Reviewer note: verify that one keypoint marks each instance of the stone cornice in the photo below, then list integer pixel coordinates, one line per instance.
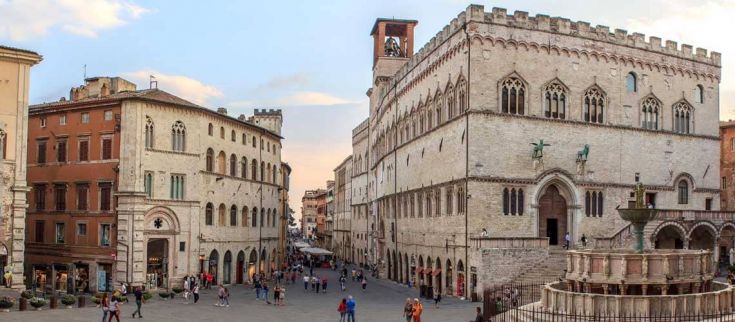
(189, 154)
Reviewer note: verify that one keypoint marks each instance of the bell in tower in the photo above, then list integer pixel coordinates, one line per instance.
(393, 39)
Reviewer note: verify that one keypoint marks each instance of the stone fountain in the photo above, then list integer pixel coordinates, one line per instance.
(638, 216)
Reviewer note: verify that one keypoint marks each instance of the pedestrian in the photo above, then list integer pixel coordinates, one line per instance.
(437, 299)
(210, 279)
(138, 301)
(342, 283)
(220, 295)
(478, 318)
(114, 308)
(282, 294)
(306, 283)
(186, 288)
(265, 293)
(195, 291)
(318, 284)
(342, 309)
(583, 240)
(313, 283)
(105, 303)
(227, 297)
(418, 308)
(567, 239)
(258, 287)
(277, 294)
(364, 283)
(324, 284)
(408, 310)
(351, 305)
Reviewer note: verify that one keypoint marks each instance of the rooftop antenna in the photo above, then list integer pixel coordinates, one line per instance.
(153, 82)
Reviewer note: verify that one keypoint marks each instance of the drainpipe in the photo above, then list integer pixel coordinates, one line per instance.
(467, 166)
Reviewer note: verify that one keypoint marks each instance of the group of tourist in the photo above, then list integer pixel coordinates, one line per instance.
(346, 309)
(260, 284)
(111, 305)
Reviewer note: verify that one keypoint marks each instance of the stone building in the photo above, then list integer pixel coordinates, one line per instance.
(310, 203)
(525, 127)
(727, 165)
(342, 239)
(192, 189)
(326, 235)
(15, 73)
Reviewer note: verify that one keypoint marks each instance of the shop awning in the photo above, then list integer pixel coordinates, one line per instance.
(419, 270)
(301, 245)
(427, 271)
(436, 271)
(316, 251)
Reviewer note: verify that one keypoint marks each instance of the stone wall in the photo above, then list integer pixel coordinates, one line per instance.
(501, 265)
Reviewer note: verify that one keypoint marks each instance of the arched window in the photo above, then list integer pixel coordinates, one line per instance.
(222, 132)
(451, 102)
(274, 174)
(450, 200)
(268, 219)
(244, 217)
(268, 169)
(513, 96)
(461, 95)
(460, 200)
(593, 201)
(244, 138)
(555, 100)
(631, 83)
(437, 202)
(233, 216)
(221, 215)
(262, 170)
(210, 160)
(699, 94)
(149, 184)
(683, 192)
(255, 217)
(594, 105)
(211, 129)
(233, 137)
(209, 214)
(649, 109)
(148, 132)
(682, 117)
(233, 165)
(428, 204)
(506, 201)
(244, 168)
(178, 136)
(275, 218)
(3, 145)
(513, 197)
(254, 170)
(513, 201)
(221, 162)
(262, 216)
(438, 107)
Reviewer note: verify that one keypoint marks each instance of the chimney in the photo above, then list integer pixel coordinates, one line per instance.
(222, 110)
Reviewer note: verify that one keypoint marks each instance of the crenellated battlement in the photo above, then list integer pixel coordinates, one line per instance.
(563, 26)
(265, 112)
(359, 128)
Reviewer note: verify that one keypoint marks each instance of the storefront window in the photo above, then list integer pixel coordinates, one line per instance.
(105, 235)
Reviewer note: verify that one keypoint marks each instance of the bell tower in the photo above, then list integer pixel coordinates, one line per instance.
(393, 44)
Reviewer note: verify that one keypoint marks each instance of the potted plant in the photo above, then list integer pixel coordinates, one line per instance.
(38, 303)
(96, 300)
(177, 290)
(68, 300)
(122, 298)
(26, 295)
(6, 303)
(147, 295)
(163, 295)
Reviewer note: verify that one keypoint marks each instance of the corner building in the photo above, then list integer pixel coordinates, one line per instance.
(189, 189)
(450, 132)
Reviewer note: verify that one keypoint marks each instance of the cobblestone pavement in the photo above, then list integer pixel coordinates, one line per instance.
(383, 301)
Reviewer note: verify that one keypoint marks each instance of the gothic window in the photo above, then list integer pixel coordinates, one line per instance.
(262, 216)
(699, 94)
(221, 162)
(233, 136)
(428, 204)
(438, 106)
(555, 100)
(209, 214)
(451, 99)
(210, 160)
(437, 202)
(221, 215)
(683, 192)
(513, 201)
(631, 82)
(420, 204)
(254, 217)
(461, 95)
(211, 129)
(254, 170)
(429, 119)
(460, 200)
(274, 174)
(244, 217)
(244, 139)
(233, 216)
(148, 132)
(650, 109)
(594, 105)
(177, 187)
(513, 96)
(450, 201)
(682, 117)
(222, 132)
(178, 136)
(593, 203)
(233, 165)
(149, 184)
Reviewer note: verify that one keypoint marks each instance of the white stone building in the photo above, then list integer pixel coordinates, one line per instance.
(450, 132)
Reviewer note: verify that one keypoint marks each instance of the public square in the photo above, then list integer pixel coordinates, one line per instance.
(382, 301)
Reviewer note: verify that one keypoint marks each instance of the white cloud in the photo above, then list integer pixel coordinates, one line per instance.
(288, 81)
(699, 23)
(306, 98)
(25, 19)
(183, 86)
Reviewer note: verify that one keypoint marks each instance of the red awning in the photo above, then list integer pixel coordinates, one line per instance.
(436, 271)
(427, 271)
(419, 270)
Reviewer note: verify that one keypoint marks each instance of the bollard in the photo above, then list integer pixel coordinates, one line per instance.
(23, 304)
(52, 302)
(81, 300)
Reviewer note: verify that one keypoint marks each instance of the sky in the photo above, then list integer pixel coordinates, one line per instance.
(312, 59)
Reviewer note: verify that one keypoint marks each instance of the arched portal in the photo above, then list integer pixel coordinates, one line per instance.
(390, 267)
(395, 267)
(669, 236)
(460, 278)
(240, 267)
(157, 263)
(213, 266)
(252, 264)
(420, 271)
(227, 268)
(438, 275)
(429, 277)
(702, 237)
(727, 241)
(449, 278)
(552, 214)
(263, 257)
(406, 269)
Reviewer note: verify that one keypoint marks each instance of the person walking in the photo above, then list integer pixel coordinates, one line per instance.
(306, 283)
(364, 283)
(265, 293)
(567, 240)
(324, 284)
(318, 283)
(418, 309)
(282, 295)
(478, 317)
(195, 291)
(408, 310)
(277, 294)
(313, 283)
(342, 283)
(342, 309)
(351, 306)
(258, 287)
(138, 301)
(105, 304)
(220, 295)
(227, 297)
(437, 299)
(114, 309)
(210, 279)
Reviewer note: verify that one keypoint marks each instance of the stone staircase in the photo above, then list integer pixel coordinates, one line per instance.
(548, 270)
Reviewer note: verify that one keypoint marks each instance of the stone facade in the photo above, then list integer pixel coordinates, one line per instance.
(449, 133)
(727, 165)
(309, 211)
(341, 244)
(15, 66)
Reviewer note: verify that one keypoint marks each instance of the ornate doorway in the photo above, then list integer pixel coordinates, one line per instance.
(240, 267)
(157, 264)
(552, 219)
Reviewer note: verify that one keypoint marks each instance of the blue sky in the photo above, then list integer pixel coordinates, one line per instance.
(310, 58)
